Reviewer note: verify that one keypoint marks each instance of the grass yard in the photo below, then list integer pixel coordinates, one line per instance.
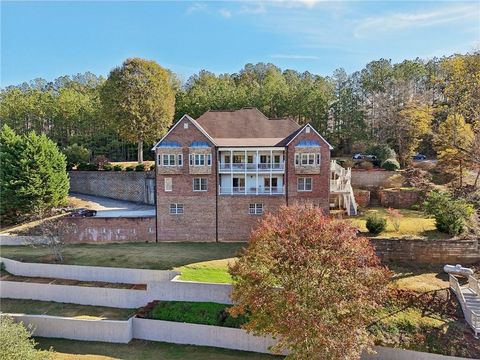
(157, 256)
(207, 271)
(142, 350)
(36, 307)
(414, 223)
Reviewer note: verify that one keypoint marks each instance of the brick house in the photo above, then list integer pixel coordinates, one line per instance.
(218, 174)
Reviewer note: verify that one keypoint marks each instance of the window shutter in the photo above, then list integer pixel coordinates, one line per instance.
(180, 160)
(191, 159)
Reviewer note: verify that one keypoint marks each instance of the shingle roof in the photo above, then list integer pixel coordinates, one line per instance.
(246, 127)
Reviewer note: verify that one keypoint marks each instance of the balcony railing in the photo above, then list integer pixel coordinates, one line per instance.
(241, 190)
(241, 167)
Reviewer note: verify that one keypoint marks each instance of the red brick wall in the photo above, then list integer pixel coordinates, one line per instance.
(198, 221)
(398, 198)
(124, 229)
(320, 193)
(234, 221)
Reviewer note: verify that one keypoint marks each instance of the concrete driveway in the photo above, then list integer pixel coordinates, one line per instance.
(107, 207)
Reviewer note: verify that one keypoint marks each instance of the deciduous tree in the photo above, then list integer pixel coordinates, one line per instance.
(311, 283)
(139, 100)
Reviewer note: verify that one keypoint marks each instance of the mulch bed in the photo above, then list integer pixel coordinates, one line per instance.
(5, 276)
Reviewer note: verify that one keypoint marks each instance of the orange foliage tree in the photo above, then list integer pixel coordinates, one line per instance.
(311, 283)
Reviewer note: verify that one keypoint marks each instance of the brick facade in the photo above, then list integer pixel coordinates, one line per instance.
(209, 216)
(319, 196)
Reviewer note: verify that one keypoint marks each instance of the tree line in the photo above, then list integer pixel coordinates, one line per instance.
(401, 104)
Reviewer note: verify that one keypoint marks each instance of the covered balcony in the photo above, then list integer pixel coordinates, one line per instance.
(251, 160)
(239, 190)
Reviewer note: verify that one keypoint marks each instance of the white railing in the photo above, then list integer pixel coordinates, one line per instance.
(241, 190)
(472, 318)
(254, 167)
(474, 285)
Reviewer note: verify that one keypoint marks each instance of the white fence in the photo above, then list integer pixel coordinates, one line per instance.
(116, 331)
(87, 273)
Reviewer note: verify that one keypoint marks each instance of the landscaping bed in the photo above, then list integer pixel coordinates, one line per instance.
(5, 276)
(205, 313)
(36, 307)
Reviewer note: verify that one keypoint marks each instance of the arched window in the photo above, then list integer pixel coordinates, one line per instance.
(308, 143)
(199, 144)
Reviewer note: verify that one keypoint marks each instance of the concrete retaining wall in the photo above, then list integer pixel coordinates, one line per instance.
(113, 331)
(131, 186)
(196, 334)
(426, 251)
(83, 295)
(16, 240)
(87, 273)
(385, 353)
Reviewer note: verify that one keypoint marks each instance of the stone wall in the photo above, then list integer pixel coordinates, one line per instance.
(371, 178)
(110, 229)
(122, 185)
(423, 251)
(398, 198)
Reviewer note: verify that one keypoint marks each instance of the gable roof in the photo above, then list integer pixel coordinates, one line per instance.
(245, 127)
(292, 137)
(192, 120)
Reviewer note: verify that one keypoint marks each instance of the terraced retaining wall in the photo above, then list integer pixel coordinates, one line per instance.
(428, 251)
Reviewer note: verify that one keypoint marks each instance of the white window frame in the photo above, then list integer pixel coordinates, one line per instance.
(319, 158)
(209, 159)
(169, 158)
(176, 209)
(200, 159)
(202, 184)
(180, 159)
(168, 184)
(297, 159)
(302, 184)
(255, 209)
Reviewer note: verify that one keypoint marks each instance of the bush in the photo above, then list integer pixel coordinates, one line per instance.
(130, 168)
(451, 215)
(33, 175)
(100, 161)
(117, 167)
(376, 224)
(87, 167)
(152, 167)
(415, 207)
(382, 152)
(366, 165)
(16, 342)
(140, 167)
(107, 167)
(391, 164)
(76, 154)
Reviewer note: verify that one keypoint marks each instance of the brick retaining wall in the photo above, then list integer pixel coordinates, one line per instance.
(398, 198)
(367, 178)
(426, 251)
(113, 229)
(130, 186)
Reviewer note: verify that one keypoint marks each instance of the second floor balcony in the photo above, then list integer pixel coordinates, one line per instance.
(251, 167)
(243, 190)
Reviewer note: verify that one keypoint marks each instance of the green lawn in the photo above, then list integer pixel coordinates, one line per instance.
(414, 223)
(207, 271)
(206, 313)
(142, 350)
(158, 256)
(35, 307)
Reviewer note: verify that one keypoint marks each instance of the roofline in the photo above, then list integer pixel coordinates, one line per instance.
(194, 122)
(311, 127)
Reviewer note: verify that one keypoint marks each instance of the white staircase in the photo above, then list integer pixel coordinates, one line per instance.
(469, 297)
(340, 184)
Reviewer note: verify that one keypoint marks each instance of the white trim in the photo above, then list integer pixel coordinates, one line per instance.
(250, 149)
(316, 132)
(189, 118)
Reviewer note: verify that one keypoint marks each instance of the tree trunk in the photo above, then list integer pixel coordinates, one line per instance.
(476, 179)
(140, 151)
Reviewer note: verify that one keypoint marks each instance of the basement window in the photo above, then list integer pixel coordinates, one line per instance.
(255, 209)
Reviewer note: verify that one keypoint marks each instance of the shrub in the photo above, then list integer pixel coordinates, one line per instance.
(272, 284)
(415, 207)
(87, 167)
(117, 167)
(107, 167)
(152, 167)
(140, 167)
(33, 175)
(76, 154)
(100, 160)
(376, 224)
(395, 217)
(16, 342)
(451, 215)
(391, 164)
(366, 165)
(382, 152)
(130, 168)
